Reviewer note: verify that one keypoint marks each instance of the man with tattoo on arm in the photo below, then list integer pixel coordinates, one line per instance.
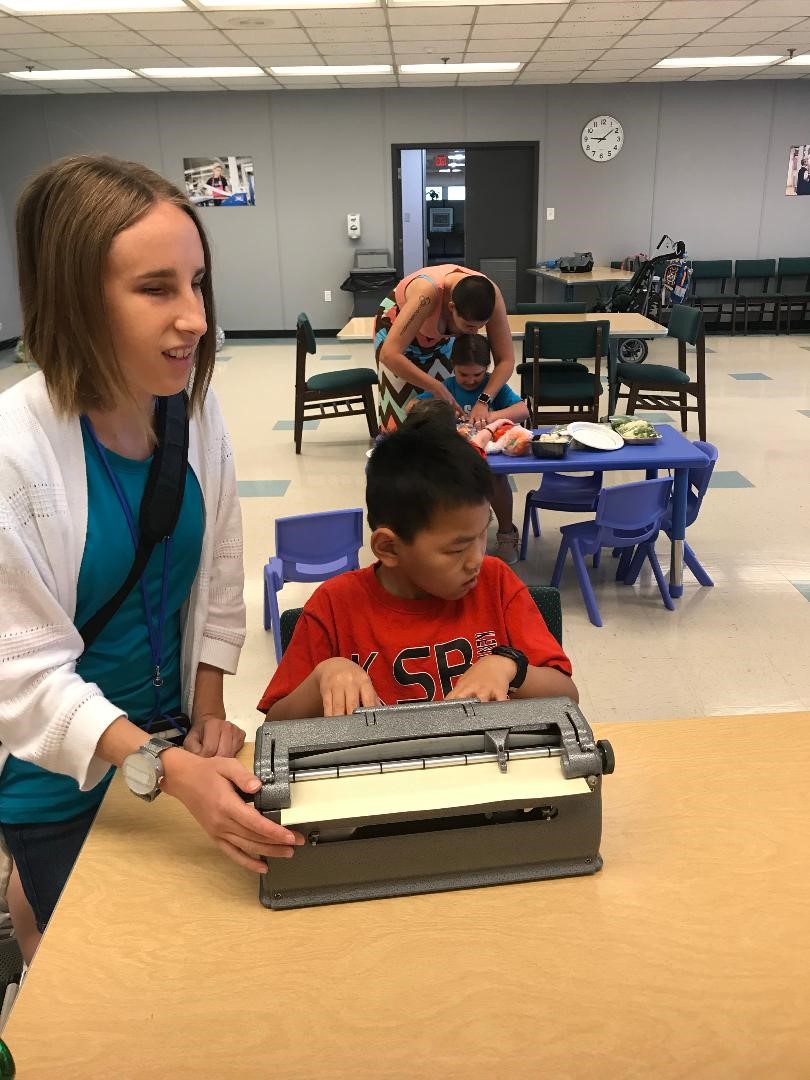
(414, 332)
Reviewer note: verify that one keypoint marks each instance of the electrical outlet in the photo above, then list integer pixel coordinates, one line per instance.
(549, 213)
(327, 295)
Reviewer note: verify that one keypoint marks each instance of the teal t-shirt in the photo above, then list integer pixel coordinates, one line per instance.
(505, 397)
(119, 661)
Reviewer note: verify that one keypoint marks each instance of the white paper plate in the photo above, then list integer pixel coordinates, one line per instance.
(595, 436)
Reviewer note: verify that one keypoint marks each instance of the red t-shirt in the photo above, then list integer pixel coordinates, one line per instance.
(414, 650)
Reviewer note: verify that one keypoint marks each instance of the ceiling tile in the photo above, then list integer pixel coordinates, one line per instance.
(592, 29)
(655, 40)
(511, 31)
(261, 36)
(271, 59)
(565, 44)
(215, 53)
(537, 79)
(490, 56)
(371, 48)
(243, 20)
(696, 9)
(187, 37)
(639, 54)
(521, 13)
(629, 9)
(97, 39)
(165, 20)
(353, 33)
(55, 24)
(357, 60)
(741, 25)
(439, 16)
(537, 66)
(618, 65)
(137, 86)
(772, 8)
(400, 34)
(343, 17)
(420, 58)
(16, 42)
(691, 27)
(14, 26)
(562, 57)
(720, 39)
(123, 53)
(60, 52)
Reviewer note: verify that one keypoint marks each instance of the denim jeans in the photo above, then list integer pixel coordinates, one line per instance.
(44, 854)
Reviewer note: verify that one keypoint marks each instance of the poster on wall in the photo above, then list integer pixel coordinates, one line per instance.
(220, 180)
(798, 178)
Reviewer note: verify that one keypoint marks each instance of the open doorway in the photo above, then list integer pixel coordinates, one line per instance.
(474, 204)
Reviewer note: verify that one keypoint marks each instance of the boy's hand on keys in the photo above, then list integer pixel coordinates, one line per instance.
(344, 686)
(487, 680)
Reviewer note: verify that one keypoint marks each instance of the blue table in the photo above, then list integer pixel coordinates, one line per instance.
(674, 451)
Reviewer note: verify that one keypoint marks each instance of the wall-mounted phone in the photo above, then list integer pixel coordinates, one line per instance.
(353, 226)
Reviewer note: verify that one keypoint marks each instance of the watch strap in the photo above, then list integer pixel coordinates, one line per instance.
(520, 659)
(156, 746)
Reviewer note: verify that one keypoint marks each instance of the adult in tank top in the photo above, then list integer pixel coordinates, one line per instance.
(414, 332)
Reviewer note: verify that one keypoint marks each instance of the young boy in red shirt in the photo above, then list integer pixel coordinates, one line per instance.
(435, 618)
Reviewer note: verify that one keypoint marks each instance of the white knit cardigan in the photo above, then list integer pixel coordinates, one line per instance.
(48, 714)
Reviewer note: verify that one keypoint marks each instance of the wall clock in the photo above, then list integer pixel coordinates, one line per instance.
(602, 138)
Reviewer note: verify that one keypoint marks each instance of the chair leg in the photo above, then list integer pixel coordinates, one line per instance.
(535, 522)
(632, 398)
(684, 414)
(524, 535)
(560, 563)
(701, 404)
(691, 561)
(634, 566)
(625, 559)
(585, 584)
(371, 412)
(659, 576)
(298, 423)
(597, 558)
(271, 615)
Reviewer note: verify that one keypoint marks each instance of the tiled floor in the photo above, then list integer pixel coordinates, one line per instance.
(743, 646)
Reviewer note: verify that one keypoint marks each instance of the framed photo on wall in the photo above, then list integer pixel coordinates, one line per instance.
(798, 177)
(220, 180)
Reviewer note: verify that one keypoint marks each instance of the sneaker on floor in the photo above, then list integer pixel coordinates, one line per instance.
(506, 546)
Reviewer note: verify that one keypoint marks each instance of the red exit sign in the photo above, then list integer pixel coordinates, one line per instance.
(441, 161)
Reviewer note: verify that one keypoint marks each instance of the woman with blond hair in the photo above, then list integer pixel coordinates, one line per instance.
(118, 314)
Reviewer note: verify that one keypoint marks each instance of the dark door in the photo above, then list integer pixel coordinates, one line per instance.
(501, 216)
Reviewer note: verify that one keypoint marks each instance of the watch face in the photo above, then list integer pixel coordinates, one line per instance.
(140, 773)
(602, 139)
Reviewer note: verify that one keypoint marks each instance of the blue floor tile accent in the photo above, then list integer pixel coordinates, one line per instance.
(805, 412)
(262, 489)
(223, 359)
(729, 479)
(336, 356)
(512, 483)
(289, 425)
(803, 587)
(656, 417)
(752, 376)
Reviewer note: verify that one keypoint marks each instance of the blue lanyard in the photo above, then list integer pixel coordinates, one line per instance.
(155, 635)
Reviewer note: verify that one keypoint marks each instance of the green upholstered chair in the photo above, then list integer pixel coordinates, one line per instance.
(793, 286)
(709, 280)
(660, 386)
(546, 597)
(563, 391)
(329, 394)
(524, 369)
(752, 279)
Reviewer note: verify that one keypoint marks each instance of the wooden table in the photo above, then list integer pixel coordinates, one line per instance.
(600, 275)
(686, 957)
(623, 325)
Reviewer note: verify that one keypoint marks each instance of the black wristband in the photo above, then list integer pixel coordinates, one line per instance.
(520, 659)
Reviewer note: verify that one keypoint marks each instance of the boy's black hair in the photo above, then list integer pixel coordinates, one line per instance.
(470, 349)
(474, 297)
(430, 411)
(415, 474)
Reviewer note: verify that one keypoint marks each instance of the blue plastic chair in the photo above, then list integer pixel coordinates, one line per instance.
(310, 547)
(575, 492)
(627, 516)
(698, 485)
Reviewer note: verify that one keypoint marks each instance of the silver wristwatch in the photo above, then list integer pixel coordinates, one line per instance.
(143, 770)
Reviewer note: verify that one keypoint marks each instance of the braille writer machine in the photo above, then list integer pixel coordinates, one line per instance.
(431, 796)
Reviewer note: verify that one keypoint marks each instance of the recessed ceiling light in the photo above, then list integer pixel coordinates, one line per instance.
(203, 73)
(314, 70)
(66, 74)
(797, 61)
(457, 69)
(286, 5)
(88, 7)
(716, 61)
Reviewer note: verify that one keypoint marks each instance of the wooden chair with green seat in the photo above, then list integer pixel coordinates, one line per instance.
(793, 286)
(661, 386)
(707, 276)
(563, 391)
(524, 369)
(752, 279)
(329, 394)
(546, 597)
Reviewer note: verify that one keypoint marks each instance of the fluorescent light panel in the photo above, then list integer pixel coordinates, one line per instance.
(466, 3)
(314, 70)
(458, 69)
(716, 61)
(66, 74)
(88, 7)
(203, 72)
(798, 61)
(286, 5)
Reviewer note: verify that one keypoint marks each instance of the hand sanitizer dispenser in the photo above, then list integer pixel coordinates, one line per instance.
(353, 226)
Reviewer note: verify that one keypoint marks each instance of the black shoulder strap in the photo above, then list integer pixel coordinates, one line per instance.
(160, 505)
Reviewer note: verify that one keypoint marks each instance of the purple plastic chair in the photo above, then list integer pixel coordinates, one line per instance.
(698, 485)
(575, 492)
(310, 547)
(627, 516)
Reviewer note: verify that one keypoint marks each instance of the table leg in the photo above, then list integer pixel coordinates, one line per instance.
(680, 488)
